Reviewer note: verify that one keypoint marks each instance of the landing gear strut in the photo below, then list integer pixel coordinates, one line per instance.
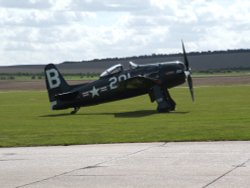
(75, 110)
(163, 99)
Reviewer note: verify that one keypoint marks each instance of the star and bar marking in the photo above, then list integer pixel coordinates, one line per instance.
(95, 92)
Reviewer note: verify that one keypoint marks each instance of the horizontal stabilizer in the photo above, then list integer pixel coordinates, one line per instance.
(67, 96)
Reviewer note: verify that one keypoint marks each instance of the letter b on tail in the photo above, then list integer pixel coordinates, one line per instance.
(53, 78)
(55, 82)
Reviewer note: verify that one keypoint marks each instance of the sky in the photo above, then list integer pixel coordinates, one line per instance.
(53, 31)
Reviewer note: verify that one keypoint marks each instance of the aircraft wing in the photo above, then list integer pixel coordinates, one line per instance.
(66, 96)
(138, 82)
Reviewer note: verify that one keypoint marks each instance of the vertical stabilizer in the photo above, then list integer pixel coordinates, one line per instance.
(55, 83)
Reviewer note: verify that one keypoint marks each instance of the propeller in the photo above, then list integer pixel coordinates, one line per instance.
(188, 72)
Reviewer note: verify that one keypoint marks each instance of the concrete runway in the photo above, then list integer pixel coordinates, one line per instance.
(193, 164)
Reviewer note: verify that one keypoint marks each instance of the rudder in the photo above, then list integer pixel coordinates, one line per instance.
(55, 82)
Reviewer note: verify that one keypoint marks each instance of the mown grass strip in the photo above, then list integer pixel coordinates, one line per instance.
(219, 113)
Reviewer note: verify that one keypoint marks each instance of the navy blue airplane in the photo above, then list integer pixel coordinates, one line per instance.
(116, 83)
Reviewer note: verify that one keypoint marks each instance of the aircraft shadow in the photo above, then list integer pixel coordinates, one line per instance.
(135, 114)
(142, 113)
(131, 114)
(56, 115)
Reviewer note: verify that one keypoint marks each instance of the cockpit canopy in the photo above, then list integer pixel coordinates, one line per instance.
(112, 70)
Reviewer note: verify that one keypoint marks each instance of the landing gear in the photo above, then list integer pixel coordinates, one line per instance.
(163, 99)
(75, 110)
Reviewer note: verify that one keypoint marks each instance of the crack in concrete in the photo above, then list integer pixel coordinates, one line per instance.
(3, 160)
(94, 175)
(91, 166)
(223, 175)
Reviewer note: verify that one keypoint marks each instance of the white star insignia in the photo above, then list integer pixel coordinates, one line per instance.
(94, 92)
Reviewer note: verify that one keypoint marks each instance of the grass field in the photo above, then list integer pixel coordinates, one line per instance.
(219, 113)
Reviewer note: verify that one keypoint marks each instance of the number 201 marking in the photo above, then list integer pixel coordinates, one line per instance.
(114, 80)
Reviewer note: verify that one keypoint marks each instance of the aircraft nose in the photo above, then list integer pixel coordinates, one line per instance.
(182, 66)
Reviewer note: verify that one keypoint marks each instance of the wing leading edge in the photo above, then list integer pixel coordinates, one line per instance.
(138, 82)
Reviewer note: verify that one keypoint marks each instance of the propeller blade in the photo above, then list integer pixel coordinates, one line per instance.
(190, 85)
(185, 56)
(188, 72)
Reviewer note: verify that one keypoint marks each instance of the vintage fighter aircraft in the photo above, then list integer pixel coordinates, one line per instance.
(116, 83)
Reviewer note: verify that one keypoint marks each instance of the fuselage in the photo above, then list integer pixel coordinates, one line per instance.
(106, 88)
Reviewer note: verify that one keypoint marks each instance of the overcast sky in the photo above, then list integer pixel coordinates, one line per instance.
(44, 31)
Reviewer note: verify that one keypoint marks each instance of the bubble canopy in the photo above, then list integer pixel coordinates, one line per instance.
(112, 70)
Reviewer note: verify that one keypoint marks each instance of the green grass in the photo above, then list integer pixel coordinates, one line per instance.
(219, 113)
(213, 74)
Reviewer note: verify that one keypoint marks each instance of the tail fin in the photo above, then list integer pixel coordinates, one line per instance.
(55, 83)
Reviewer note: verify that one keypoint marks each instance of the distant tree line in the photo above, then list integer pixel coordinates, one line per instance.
(13, 76)
(163, 55)
(40, 76)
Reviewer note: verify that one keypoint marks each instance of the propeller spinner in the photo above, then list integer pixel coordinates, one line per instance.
(188, 72)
